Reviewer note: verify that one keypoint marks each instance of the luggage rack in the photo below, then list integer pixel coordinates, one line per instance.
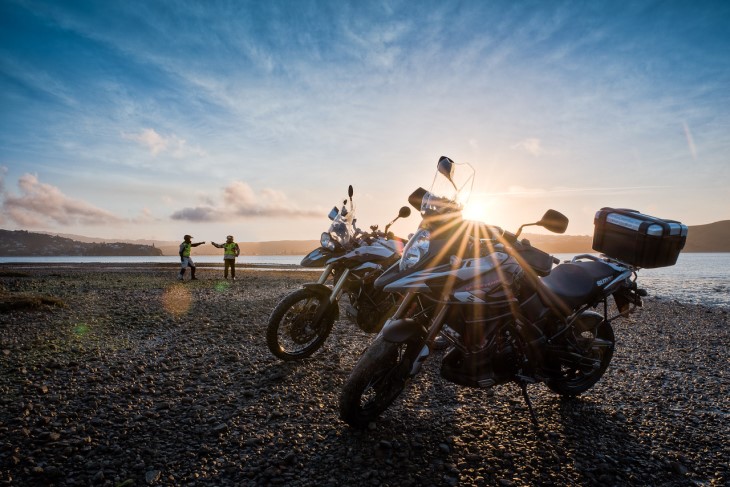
(612, 261)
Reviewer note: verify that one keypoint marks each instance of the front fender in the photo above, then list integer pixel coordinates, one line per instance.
(399, 331)
(318, 289)
(324, 293)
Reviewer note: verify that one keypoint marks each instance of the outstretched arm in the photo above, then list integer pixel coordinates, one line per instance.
(196, 244)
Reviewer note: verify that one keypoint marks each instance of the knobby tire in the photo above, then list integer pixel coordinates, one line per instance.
(291, 334)
(377, 379)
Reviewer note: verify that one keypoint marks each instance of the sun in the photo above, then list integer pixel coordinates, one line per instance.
(479, 208)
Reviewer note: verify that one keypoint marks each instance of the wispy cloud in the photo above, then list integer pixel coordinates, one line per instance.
(239, 200)
(690, 141)
(158, 144)
(532, 146)
(39, 204)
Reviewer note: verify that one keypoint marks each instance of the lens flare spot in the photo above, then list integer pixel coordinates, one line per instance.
(222, 287)
(81, 329)
(176, 300)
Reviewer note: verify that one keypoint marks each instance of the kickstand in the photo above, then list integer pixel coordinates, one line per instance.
(533, 417)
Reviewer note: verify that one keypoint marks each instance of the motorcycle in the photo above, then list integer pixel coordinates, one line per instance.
(508, 315)
(301, 322)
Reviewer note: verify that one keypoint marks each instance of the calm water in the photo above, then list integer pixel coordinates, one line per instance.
(696, 278)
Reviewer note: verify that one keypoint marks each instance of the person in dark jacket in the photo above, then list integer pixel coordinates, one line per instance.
(185, 259)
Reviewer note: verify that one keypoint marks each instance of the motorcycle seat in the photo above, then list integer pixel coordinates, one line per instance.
(574, 284)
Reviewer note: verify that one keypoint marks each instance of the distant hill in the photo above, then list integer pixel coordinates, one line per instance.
(560, 244)
(170, 247)
(713, 237)
(278, 247)
(24, 244)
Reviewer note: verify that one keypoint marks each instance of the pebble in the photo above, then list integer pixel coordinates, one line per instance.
(139, 387)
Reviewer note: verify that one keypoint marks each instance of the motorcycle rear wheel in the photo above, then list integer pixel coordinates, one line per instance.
(376, 381)
(291, 333)
(575, 378)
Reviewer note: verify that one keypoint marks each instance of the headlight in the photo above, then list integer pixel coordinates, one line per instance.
(326, 241)
(415, 249)
(339, 233)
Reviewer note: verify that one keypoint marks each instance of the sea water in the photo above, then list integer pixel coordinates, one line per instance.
(701, 278)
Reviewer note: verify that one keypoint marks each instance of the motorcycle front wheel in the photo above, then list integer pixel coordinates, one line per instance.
(292, 333)
(376, 380)
(578, 376)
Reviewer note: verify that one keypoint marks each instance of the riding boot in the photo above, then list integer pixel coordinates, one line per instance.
(192, 274)
(181, 275)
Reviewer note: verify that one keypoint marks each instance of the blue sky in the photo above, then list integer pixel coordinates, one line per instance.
(152, 119)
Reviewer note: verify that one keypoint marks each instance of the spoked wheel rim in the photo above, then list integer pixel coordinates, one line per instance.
(297, 330)
(300, 324)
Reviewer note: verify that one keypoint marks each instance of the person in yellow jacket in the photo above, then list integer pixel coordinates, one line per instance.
(185, 259)
(230, 252)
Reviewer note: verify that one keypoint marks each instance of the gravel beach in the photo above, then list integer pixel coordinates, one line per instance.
(143, 380)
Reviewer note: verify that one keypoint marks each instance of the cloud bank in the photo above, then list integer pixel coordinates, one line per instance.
(39, 204)
(239, 200)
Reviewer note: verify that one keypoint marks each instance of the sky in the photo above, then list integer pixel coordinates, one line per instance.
(154, 119)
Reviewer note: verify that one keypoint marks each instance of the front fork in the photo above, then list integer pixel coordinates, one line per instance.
(325, 274)
(401, 329)
(334, 294)
(337, 288)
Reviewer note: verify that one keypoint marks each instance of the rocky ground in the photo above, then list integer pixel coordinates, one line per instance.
(141, 380)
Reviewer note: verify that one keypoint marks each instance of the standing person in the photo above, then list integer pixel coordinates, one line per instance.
(185, 259)
(230, 252)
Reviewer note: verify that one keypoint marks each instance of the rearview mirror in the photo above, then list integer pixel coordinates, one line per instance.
(350, 191)
(402, 213)
(446, 168)
(554, 221)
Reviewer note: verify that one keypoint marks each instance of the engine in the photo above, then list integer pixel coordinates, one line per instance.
(494, 364)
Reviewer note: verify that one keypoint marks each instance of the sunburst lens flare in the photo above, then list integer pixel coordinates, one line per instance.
(478, 208)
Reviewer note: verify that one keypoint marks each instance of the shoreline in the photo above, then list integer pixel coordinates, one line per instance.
(173, 267)
(151, 266)
(142, 380)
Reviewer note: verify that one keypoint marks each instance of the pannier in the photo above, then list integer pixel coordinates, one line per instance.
(637, 239)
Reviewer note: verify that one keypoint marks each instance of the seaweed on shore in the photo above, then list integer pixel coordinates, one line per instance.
(27, 302)
(13, 274)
